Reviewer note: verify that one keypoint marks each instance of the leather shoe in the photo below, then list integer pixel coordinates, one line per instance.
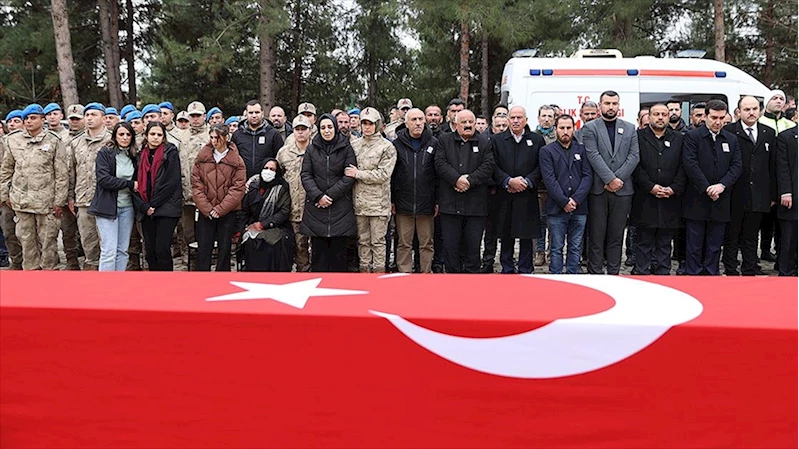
(768, 256)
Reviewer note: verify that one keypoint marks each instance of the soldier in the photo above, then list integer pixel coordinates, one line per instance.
(403, 106)
(215, 117)
(183, 121)
(53, 114)
(233, 123)
(355, 122)
(197, 138)
(290, 158)
(75, 117)
(151, 113)
(7, 216)
(111, 118)
(128, 108)
(135, 120)
(83, 152)
(34, 182)
(375, 157)
(14, 120)
(167, 115)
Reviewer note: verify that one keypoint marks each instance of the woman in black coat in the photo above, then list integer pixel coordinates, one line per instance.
(160, 196)
(268, 238)
(329, 218)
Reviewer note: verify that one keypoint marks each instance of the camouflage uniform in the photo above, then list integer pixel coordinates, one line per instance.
(391, 129)
(70, 235)
(290, 140)
(290, 158)
(372, 196)
(35, 178)
(83, 152)
(7, 224)
(197, 138)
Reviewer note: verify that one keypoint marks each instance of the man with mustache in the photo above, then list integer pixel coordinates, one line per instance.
(464, 162)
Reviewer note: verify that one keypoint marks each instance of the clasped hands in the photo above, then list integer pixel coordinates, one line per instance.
(715, 191)
(324, 202)
(462, 184)
(661, 192)
(517, 184)
(615, 185)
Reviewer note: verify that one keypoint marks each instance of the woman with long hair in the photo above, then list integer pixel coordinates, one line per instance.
(268, 237)
(217, 187)
(112, 205)
(329, 218)
(160, 195)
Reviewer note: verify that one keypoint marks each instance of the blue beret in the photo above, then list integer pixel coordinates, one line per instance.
(133, 115)
(150, 108)
(354, 111)
(51, 107)
(125, 109)
(167, 105)
(211, 113)
(94, 107)
(111, 111)
(16, 113)
(234, 119)
(32, 109)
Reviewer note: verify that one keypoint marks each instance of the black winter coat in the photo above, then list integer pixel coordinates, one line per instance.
(518, 215)
(660, 163)
(787, 172)
(166, 196)
(456, 157)
(104, 203)
(707, 163)
(323, 174)
(255, 147)
(757, 187)
(414, 183)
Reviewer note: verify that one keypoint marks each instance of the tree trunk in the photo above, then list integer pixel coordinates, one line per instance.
(718, 27)
(110, 36)
(768, 18)
(63, 50)
(484, 93)
(372, 84)
(267, 58)
(464, 66)
(130, 53)
(299, 52)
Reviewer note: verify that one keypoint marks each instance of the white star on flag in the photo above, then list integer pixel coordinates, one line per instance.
(295, 294)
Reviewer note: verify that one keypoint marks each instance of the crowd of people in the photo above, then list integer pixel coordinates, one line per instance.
(421, 192)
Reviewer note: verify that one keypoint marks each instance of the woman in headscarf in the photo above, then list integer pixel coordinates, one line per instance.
(329, 218)
(112, 205)
(268, 238)
(160, 196)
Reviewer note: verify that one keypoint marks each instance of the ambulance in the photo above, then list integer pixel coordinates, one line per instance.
(640, 81)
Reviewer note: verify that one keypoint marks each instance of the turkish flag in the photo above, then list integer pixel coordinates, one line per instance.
(146, 360)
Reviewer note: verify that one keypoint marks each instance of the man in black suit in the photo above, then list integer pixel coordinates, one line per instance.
(787, 178)
(659, 186)
(754, 192)
(712, 162)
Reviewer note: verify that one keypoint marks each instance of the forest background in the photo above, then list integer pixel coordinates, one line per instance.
(347, 53)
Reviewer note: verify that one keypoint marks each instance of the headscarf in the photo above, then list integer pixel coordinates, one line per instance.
(328, 146)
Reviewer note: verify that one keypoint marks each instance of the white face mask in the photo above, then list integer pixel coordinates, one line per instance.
(267, 175)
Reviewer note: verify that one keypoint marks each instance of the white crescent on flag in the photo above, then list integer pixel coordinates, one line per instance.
(643, 312)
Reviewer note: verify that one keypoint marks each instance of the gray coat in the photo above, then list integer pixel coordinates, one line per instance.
(609, 163)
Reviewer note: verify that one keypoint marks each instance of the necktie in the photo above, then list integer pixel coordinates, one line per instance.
(749, 133)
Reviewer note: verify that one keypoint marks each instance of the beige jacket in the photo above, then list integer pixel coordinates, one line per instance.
(34, 174)
(290, 159)
(82, 176)
(197, 138)
(376, 157)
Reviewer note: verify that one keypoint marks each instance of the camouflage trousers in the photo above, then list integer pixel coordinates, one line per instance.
(8, 225)
(38, 235)
(87, 225)
(372, 243)
(302, 254)
(69, 235)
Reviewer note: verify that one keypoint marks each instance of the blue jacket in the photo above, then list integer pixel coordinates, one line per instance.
(566, 175)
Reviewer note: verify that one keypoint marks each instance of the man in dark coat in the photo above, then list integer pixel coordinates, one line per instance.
(712, 162)
(659, 185)
(516, 176)
(568, 176)
(257, 140)
(754, 192)
(787, 177)
(464, 163)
